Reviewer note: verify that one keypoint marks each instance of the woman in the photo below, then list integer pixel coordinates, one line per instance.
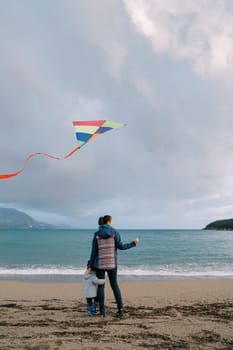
(103, 259)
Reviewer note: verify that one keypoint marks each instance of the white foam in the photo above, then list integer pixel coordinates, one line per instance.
(169, 271)
(37, 271)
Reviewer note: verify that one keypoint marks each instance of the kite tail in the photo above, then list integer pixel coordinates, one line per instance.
(7, 176)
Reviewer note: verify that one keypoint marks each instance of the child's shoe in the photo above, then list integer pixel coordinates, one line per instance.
(90, 311)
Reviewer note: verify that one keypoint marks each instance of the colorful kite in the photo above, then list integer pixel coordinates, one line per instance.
(85, 132)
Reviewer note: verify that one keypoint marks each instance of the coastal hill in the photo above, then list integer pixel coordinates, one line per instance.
(220, 225)
(15, 219)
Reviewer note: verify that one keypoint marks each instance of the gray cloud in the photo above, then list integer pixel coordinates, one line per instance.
(69, 60)
(192, 31)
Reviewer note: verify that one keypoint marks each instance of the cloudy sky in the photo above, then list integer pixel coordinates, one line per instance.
(163, 67)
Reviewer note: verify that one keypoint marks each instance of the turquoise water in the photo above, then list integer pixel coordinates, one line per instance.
(61, 255)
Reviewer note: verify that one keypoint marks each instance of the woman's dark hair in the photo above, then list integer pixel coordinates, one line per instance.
(106, 219)
(101, 221)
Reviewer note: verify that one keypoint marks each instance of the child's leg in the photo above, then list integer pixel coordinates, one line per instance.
(89, 302)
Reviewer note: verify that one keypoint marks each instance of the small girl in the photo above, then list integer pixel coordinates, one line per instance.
(90, 282)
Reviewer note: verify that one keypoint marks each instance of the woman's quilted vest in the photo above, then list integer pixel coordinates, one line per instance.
(106, 253)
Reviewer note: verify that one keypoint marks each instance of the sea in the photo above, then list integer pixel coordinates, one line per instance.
(62, 255)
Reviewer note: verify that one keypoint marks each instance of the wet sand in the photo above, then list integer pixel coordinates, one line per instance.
(186, 315)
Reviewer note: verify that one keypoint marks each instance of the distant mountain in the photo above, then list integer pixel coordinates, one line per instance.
(15, 219)
(220, 225)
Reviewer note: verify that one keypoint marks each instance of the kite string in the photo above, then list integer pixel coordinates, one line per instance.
(7, 176)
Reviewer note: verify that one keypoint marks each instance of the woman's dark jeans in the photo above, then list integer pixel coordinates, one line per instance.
(112, 275)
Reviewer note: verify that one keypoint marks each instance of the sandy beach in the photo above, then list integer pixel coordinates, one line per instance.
(187, 315)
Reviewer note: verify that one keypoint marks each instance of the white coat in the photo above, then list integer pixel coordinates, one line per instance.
(90, 282)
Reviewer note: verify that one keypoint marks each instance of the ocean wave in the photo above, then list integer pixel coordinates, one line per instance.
(179, 271)
(165, 271)
(37, 271)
